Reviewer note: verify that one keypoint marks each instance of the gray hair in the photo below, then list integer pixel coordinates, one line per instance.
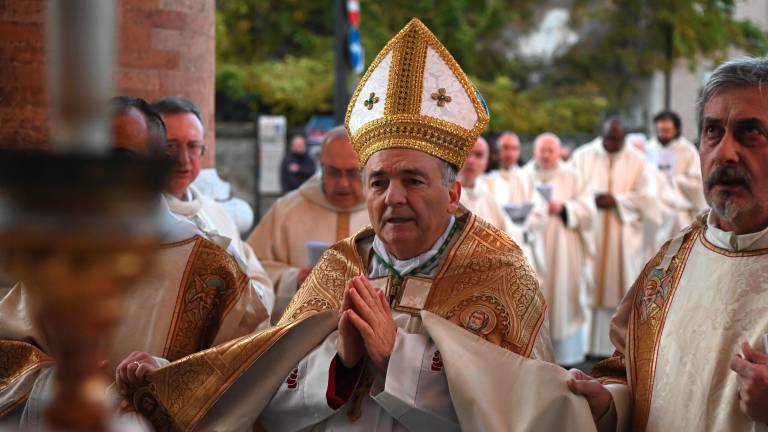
(741, 72)
(448, 173)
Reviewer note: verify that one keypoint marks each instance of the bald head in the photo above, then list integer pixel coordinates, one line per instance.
(546, 150)
(614, 133)
(341, 175)
(476, 163)
(509, 149)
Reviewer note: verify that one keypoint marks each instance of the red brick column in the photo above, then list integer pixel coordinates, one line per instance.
(166, 47)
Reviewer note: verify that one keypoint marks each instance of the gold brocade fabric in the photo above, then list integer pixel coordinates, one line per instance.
(211, 285)
(16, 359)
(484, 285)
(652, 296)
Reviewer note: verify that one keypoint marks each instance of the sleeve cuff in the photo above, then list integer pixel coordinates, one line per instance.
(342, 382)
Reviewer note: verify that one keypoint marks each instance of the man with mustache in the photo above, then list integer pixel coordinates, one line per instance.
(415, 323)
(327, 208)
(690, 336)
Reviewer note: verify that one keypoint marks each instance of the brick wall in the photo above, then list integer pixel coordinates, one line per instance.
(166, 47)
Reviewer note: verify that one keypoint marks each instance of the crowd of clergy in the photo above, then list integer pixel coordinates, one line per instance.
(405, 286)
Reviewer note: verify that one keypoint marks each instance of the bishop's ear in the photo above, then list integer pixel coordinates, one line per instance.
(454, 194)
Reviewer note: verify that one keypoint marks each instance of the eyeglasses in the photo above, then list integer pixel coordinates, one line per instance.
(334, 173)
(194, 149)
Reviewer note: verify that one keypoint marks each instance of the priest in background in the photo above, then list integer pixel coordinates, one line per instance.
(197, 297)
(564, 237)
(690, 336)
(682, 196)
(509, 185)
(477, 197)
(186, 147)
(327, 208)
(619, 179)
(476, 193)
(425, 321)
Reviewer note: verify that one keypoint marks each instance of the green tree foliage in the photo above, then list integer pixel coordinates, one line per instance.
(278, 55)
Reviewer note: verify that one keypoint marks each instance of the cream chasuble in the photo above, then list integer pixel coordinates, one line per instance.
(510, 186)
(618, 233)
(480, 201)
(677, 330)
(304, 215)
(197, 297)
(681, 190)
(213, 220)
(472, 290)
(566, 245)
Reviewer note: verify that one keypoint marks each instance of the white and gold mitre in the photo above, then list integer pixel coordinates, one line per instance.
(414, 95)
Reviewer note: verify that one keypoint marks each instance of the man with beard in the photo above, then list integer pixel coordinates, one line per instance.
(690, 335)
(680, 186)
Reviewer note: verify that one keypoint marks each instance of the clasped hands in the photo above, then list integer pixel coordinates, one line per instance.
(366, 326)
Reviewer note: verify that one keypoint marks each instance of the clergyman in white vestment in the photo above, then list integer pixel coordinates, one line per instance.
(690, 337)
(619, 179)
(325, 209)
(563, 236)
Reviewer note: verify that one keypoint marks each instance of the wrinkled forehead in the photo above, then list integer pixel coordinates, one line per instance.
(338, 153)
(398, 161)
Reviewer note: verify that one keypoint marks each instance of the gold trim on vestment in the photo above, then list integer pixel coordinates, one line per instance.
(342, 225)
(484, 274)
(211, 285)
(17, 358)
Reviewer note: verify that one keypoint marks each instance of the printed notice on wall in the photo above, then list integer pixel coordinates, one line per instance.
(272, 136)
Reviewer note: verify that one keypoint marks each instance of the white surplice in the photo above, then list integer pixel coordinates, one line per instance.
(619, 232)
(480, 201)
(412, 395)
(719, 302)
(213, 220)
(303, 215)
(681, 190)
(566, 246)
(510, 186)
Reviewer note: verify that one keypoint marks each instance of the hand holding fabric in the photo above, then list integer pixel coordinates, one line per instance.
(372, 317)
(598, 397)
(752, 370)
(130, 372)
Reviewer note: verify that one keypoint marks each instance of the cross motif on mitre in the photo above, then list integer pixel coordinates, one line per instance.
(372, 99)
(441, 97)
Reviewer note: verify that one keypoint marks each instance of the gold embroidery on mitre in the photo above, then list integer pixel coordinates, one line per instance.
(402, 124)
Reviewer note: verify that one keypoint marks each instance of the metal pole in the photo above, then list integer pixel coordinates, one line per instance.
(81, 52)
(340, 94)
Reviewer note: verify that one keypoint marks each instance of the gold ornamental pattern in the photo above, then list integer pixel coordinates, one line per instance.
(484, 285)
(211, 285)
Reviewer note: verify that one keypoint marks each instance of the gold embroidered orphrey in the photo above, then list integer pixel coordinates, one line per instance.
(403, 125)
(654, 291)
(484, 270)
(211, 285)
